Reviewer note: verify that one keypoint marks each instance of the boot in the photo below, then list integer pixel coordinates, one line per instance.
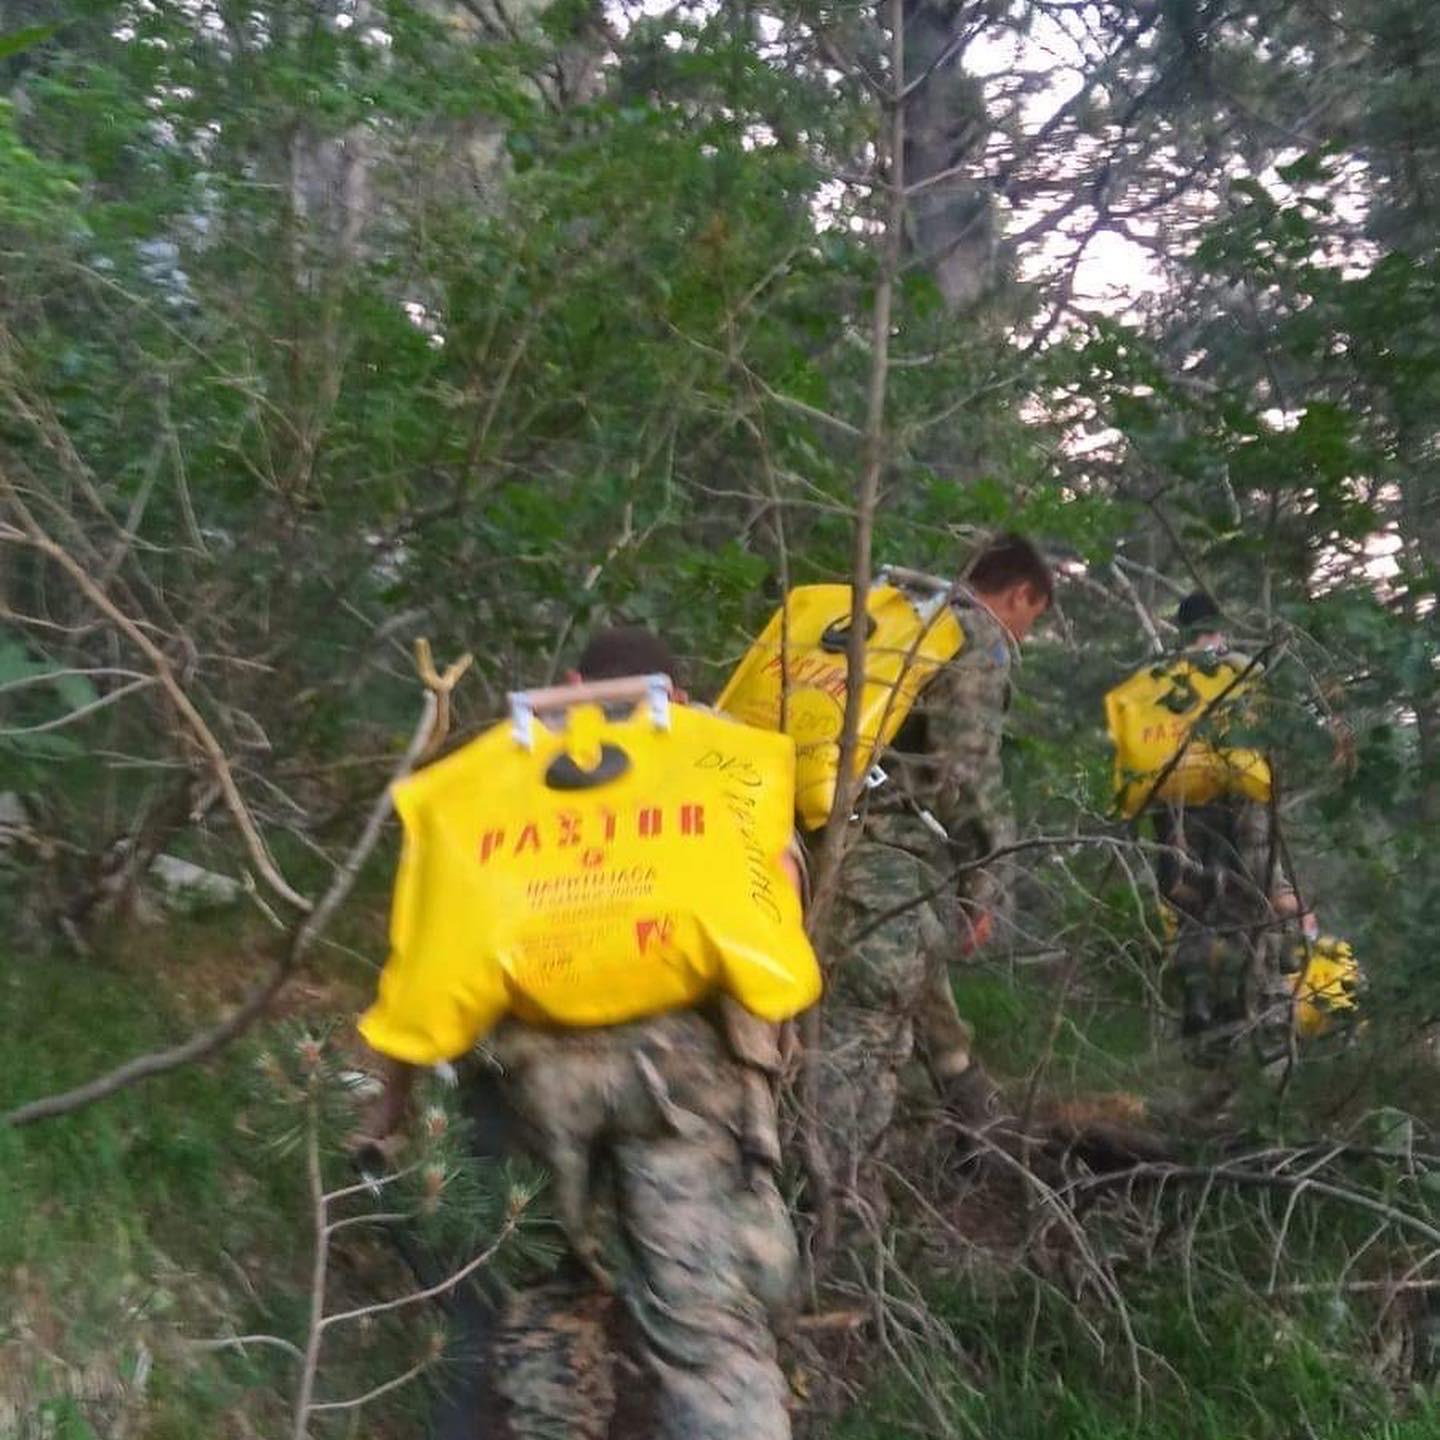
(972, 1098)
(1196, 1017)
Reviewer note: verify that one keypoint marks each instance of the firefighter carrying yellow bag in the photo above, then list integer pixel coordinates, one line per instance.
(793, 678)
(1151, 716)
(587, 875)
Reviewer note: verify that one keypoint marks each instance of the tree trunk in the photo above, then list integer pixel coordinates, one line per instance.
(951, 220)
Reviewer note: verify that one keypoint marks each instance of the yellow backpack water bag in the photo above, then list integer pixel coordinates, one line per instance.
(1325, 986)
(794, 677)
(1151, 715)
(596, 873)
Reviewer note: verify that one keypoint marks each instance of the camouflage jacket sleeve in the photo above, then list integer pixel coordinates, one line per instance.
(964, 708)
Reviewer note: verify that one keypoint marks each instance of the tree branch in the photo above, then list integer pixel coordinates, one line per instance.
(847, 785)
(208, 1042)
(71, 716)
(39, 539)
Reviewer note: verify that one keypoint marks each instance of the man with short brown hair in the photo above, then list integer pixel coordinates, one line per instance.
(912, 897)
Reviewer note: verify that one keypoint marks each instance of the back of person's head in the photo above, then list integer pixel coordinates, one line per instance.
(1009, 560)
(621, 650)
(1198, 614)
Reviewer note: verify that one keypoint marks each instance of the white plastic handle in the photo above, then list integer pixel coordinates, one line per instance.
(913, 579)
(656, 690)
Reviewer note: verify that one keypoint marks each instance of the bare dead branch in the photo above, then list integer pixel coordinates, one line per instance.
(441, 1287)
(239, 1342)
(413, 1373)
(293, 949)
(71, 717)
(161, 1062)
(51, 675)
(37, 537)
(1264, 1179)
(1147, 620)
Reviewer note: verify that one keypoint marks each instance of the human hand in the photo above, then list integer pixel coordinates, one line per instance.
(374, 1154)
(976, 927)
(381, 1135)
(1343, 755)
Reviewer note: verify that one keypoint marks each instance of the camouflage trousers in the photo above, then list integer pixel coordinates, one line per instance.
(1216, 876)
(1233, 992)
(890, 940)
(642, 1129)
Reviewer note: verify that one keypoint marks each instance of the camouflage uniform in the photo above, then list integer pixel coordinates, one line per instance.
(897, 926)
(1216, 872)
(690, 1224)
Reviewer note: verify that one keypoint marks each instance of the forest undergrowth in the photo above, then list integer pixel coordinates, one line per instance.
(142, 1240)
(1179, 1301)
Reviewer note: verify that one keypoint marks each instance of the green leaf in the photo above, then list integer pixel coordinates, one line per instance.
(18, 40)
(76, 691)
(17, 664)
(45, 747)
(1309, 169)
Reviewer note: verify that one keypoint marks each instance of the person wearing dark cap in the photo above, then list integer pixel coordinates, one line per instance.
(1199, 620)
(1216, 870)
